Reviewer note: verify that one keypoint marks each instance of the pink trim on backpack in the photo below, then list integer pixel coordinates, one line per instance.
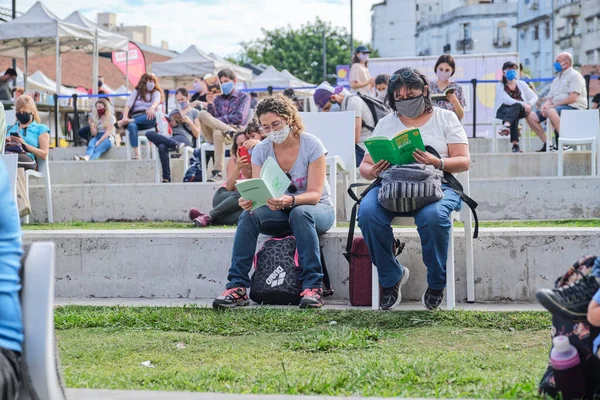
(296, 256)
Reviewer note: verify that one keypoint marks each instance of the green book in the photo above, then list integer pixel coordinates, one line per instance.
(273, 183)
(397, 150)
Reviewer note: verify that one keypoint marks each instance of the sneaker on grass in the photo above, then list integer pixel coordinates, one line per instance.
(231, 298)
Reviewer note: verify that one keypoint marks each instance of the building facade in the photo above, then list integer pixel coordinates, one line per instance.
(590, 32)
(466, 27)
(393, 27)
(535, 36)
(138, 34)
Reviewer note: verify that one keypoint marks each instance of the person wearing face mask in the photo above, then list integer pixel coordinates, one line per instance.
(140, 110)
(381, 85)
(224, 115)
(185, 127)
(567, 92)
(359, 75)
(444, 70)
(28, 138)
(326, 97)
(305, 209)
(408, 96)
(102, 130)
(198, 100)
(514, 100)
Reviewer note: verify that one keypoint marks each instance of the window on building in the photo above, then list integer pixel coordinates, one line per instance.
(466, 30)
(501, 31)
(536, 32)
(547, 29)
(523, 34)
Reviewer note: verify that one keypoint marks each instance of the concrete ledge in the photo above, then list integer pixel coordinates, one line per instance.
(510, 264)
(512, 165)
(499, 199)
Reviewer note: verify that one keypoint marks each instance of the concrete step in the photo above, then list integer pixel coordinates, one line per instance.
(510, 264)
(499, 199)
(504, 165)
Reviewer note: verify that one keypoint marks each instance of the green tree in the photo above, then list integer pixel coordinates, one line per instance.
(300, 51)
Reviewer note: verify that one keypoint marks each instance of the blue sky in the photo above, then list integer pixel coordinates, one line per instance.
(216, 25)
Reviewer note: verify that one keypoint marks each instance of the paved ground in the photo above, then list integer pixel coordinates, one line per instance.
(84, 394)
(330, 305)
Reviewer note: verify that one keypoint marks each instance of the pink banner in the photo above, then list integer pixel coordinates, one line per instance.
(137, 63)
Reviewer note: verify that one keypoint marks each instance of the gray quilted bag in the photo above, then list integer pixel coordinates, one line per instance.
(409, 187)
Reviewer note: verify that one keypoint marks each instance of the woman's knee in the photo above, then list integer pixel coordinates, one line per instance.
(301, 214)
(433, 216)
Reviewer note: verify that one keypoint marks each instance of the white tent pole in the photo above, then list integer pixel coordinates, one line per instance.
(95, 66)
(25, 61)
(58, 76)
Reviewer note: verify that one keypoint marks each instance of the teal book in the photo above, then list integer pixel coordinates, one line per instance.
(273, 183)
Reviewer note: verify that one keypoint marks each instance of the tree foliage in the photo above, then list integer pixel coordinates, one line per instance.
(300, 51)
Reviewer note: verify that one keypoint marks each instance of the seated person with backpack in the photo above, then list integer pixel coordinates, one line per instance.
(185, 125)
(305, 208)
(226, 209)
(409, 98)
(11, 323)
(326, 96)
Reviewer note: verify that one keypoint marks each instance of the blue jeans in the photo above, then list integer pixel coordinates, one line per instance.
(306, 223)
(140, 121)
(93, 151)
(433, 224)
(166, 144)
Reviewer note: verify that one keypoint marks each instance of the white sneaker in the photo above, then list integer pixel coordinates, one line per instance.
(180, 148)
(566, 147)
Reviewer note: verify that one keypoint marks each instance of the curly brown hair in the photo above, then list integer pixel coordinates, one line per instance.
(285, 108)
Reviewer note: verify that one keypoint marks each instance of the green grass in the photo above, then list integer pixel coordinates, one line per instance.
(260, 350)
(565, 223)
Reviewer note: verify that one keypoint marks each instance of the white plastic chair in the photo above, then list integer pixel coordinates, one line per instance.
(463, 215)
(38, 324)
(43, 172)
(579, 127)
(525, 134)
(204, 147)
(11, 161)
(142, 142)
(336, 131)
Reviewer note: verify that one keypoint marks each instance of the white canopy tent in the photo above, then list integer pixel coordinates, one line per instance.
(39, 80)
(104, 41)
(194, 62)
(278, 79)
(40, 31)
(243, 74)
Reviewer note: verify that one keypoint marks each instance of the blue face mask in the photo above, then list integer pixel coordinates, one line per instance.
(511, 74)
(335, 107)
(227, 87)
(558, 67)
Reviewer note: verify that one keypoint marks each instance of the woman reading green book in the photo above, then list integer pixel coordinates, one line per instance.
(409, 97)
(306, 207)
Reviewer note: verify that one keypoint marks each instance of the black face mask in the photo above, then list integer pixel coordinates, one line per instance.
(23, 117)
(99, 83)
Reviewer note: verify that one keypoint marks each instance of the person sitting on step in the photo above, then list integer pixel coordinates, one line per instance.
(102, 130)
(514, 100)
(140, 110)
(305, 208)
(185, 127)
(226, 209)
(224, 115)
(409, 98)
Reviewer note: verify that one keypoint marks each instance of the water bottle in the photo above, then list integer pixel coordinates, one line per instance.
(568, 373)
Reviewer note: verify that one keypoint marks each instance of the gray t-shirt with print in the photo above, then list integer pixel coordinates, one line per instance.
(311, 148)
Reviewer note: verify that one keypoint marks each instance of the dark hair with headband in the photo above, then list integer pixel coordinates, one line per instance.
(411, 79)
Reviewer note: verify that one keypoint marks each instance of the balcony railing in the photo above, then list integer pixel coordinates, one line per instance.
(464, 44)
(590, 40)
(447, 48)
(571, 10)
(502, 42)
(569, 42)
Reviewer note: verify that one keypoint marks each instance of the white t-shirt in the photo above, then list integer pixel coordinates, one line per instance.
(442, 129)
(140, 104)
(360, 73)
(361, 109)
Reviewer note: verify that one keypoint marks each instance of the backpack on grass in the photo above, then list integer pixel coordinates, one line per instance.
(276, 278)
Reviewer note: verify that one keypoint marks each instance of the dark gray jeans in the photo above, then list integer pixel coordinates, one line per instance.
(10, 374)
(226, 209)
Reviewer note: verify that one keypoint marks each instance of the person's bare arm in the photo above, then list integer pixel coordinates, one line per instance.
(370, 170)
(41, 151)
(568, 100)
(109, 131)
(593, 314)
(357, 129)
(314, 189)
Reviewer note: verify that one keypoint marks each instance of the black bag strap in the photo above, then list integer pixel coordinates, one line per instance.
(357, 200)
(458, 188)
(371, 106)
(328, 291)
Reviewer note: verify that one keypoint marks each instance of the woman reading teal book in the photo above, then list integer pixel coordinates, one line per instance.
(409, 97)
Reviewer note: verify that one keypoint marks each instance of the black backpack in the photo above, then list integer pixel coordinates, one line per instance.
(194, 171)
(377, 107)
(277, 270)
